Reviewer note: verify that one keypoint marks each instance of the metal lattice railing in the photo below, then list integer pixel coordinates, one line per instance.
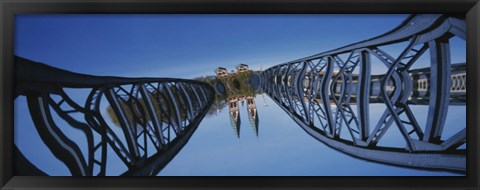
(152, 118)
(332, 90)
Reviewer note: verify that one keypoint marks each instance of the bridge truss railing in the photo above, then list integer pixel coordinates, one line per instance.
(153, 118)
(318, 91)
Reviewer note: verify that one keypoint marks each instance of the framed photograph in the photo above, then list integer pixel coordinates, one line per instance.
(304, 94)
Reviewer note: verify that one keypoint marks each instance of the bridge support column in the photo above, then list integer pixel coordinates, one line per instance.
(325, 95)
(363, 94)
(439, 89)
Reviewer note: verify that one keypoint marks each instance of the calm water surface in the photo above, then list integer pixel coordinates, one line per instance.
(282, 148)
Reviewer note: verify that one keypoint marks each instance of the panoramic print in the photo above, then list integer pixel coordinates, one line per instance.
(240, 95)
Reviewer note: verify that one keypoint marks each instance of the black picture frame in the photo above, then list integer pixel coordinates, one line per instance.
(8, 9)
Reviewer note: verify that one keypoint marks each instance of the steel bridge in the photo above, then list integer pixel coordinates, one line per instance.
(156, 118)
(153, 118)
(319, 93)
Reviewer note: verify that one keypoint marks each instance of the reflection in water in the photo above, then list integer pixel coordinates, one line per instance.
(311, 113)
(154, 119)
(329, 95)
(419, 95)
(237, 88)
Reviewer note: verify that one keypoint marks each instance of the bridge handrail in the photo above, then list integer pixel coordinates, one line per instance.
(161, 112)
(296, 86)
(38, 73)
(413, 25)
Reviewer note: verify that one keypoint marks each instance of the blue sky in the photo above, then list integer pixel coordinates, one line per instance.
(185, 45)
(188, 46)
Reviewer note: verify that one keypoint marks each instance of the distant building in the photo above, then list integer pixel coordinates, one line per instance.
(242, 68)
(221, 72)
